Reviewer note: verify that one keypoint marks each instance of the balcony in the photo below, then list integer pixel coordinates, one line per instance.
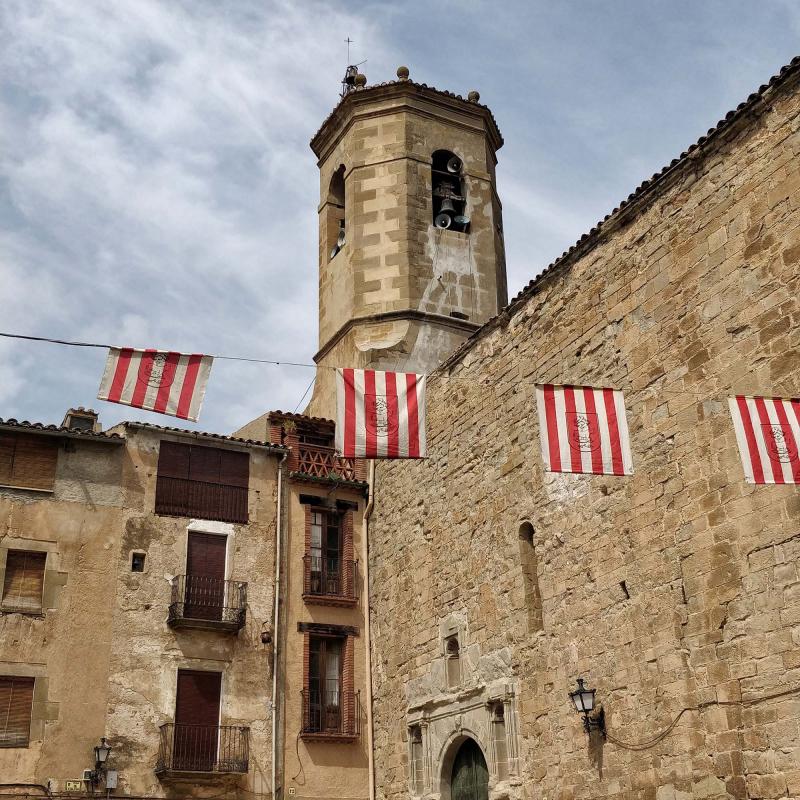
(210, 603)
(196, 751)
(331, 715)
(330, 582)
(322, 462)
(181, 497)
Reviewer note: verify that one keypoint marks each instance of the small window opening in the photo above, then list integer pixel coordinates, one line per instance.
(137, 562)
(453, 659)
(447, 189)
(417, 777)
(499, 737)
(530, 578)
(336, 218)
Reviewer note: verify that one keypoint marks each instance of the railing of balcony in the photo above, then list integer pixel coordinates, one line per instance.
(331, 712)
(210, 600)
(322, 462)
(180, 497)
(203, 748)
(330, 577)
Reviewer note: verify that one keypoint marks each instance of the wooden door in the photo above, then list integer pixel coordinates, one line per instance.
(196, 720)
(205, 576)
(470, 778)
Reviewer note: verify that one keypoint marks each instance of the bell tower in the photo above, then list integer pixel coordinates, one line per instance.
(411, 256)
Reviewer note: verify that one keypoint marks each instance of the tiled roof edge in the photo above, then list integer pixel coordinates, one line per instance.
(57, 429)
(205, 435)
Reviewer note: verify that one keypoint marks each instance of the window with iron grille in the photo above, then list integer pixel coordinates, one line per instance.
(16, 701)
(417, 776)
(23, 581)
(202, 482)
(325, 683)
(28, 461)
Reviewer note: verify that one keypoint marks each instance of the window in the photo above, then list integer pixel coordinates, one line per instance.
(449, 201)
(137, 562)
(499, 738)
(325, 683)
(16, 701)
(417, 774)
(452, 654)
(27, 461)
(530, 578)
(24, 581)
(202, 482)
(335, 214)
(331, 708)
(325, 553)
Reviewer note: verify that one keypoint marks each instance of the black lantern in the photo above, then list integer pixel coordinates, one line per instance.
(101, 752)
(583, 701)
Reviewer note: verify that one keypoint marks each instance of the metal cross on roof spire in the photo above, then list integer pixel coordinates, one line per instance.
(349, 42)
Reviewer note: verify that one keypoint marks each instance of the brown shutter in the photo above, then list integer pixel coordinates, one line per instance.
(7, 447)
(24, 580)
(173, 460)
(205, 464)
(16, 699)
(197, 702)
(28, 461)
(234, 469)
(205, 555)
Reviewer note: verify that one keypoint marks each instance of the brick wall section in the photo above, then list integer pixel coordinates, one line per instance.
(695, 295)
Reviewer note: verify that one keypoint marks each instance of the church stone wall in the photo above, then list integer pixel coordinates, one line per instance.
(675, 592)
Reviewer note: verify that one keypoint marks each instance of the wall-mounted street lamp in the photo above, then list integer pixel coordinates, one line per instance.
(583, 700)
(94, 776)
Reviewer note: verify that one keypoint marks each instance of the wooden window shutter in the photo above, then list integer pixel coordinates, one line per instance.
(205, 464)
(16, 700)
(28, 461)
(173, 460)
(235, 469)
(24, 580)
(8, 444)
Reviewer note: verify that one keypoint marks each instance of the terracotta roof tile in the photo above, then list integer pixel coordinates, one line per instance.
(204, 435)
(53, 429)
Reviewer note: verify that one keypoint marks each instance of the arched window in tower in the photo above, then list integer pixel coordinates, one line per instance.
(530, 578)
(447, 187)
(452, 655)
(335, 217)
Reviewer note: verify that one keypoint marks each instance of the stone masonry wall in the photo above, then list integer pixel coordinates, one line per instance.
(675, 592)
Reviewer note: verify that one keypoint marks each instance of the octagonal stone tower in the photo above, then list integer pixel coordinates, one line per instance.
(411, 255)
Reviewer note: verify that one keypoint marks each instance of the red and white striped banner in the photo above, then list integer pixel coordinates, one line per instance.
(583, 429)
(380, 414)
(768, 435)
(156, 380)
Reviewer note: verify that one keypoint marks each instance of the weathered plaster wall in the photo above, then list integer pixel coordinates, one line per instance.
(67, 647)
(694, 297)
(147, 653)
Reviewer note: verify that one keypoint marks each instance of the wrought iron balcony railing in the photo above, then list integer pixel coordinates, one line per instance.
(202, 602)
(327, 579)
(180, 497)
(209, 749)
(331, 713)
(322, 462)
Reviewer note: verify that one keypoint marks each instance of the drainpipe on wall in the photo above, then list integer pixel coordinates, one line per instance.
(279, 527)
(367, 637)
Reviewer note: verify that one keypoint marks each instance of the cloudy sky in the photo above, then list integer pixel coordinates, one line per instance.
(157, 188)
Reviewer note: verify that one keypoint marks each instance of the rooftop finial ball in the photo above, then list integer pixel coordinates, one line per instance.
(473, 96)
(361, 79)
(402, 73)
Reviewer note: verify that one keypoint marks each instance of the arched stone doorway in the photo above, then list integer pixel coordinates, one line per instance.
(469, 779)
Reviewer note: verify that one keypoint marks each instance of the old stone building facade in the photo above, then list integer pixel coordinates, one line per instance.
(674, 592)
(136, 589)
